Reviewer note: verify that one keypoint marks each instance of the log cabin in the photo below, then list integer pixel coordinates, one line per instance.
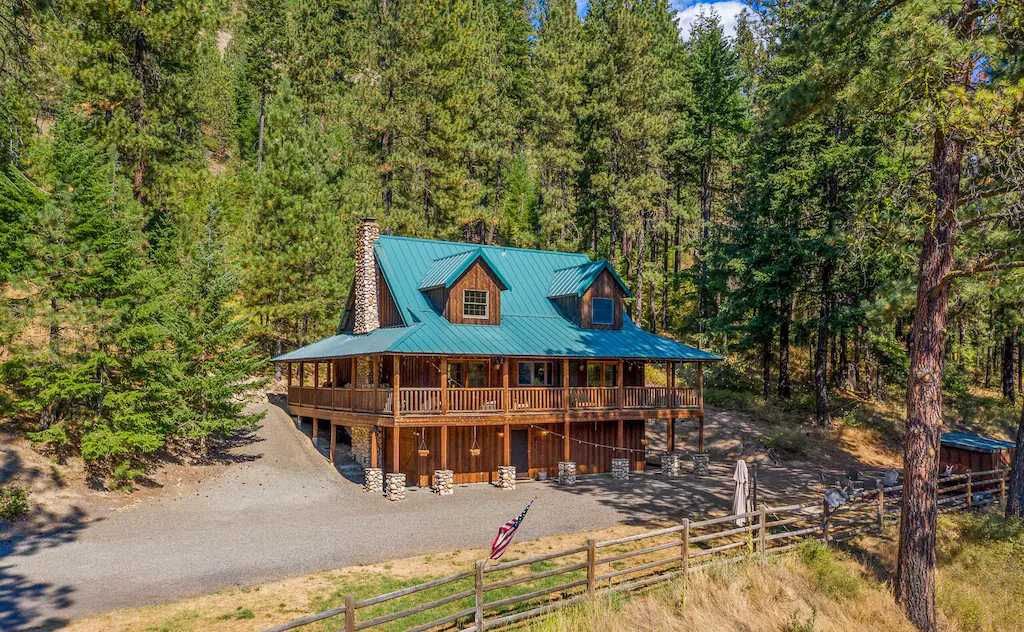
(460, 363)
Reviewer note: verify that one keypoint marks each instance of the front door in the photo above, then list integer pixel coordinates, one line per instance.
(519, 446)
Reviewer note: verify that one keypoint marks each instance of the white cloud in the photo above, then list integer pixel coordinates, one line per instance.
(728, 12)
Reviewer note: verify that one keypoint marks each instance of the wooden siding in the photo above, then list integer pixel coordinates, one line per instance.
(962, 459)
(476, 277)
(632, 373)
(545, 450)
(604, 286)
(387, 310)
(568, 307)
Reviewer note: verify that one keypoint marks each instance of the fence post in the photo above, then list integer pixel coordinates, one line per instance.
(479, 620)
(969, 490)
(350, 613)
(762, 518)
(881, 506)
(684, 548)
(1002, 485)
(591, 566)
(826, 514)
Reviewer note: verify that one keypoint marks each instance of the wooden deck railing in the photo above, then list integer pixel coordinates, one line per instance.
(417, 400)
(493, 597)
(530, 398)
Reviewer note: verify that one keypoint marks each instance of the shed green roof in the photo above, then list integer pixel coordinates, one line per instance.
(447, 270)
(578, 279)
(531, 324)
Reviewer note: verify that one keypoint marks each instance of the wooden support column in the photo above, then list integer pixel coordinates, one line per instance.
(700, 386)
(506, 448)
(565, 384)
(671, 435)
(700, 433)
(352, 383)
(316, 430)
(334, 440)
(396, 376)
(289, 365)
(444, 385)
(394, 450)
(316, 383)
(565, 441)
(444, 447)
(620, 436)
(302, 374)
(671, 406)
(504, 385)
(373, 447)
(621, 395)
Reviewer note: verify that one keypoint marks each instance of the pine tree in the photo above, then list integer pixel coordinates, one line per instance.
(264, 32)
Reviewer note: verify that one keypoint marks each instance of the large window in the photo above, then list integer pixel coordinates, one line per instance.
(536, 374)
(602, 374)
(602, 311)
(467, 374)
(474, 303)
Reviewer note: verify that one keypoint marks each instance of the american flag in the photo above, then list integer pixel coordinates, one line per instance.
(505, 534)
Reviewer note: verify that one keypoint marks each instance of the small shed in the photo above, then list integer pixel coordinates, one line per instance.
(965, 451)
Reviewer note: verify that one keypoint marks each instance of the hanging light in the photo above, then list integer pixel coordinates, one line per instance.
(423, 451)
(475, 450)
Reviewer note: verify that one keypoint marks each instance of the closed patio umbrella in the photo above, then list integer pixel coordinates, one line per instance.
(740, 502)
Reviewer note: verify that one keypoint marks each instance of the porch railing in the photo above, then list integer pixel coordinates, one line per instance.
(419, 400)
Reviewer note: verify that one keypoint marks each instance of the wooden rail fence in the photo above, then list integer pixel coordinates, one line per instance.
(491, 597)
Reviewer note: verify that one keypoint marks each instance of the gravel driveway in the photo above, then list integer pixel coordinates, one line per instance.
(283, 511)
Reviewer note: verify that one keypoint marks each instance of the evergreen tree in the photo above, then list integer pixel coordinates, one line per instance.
(264, 32)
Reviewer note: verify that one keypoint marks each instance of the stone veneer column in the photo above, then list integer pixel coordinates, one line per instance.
(670, 464)
(374, 480)
(365, 307)
(620, 469)
(506, 477)
(566, 473)
(394, 486)
(700, 464)
(360, 444)
(444, 482)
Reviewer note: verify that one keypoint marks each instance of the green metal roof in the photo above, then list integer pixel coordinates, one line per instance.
(447, 270)
(531, 324)
(578, 279)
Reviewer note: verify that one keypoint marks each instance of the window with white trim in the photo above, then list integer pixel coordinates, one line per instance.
(602, 311)
(474, 303)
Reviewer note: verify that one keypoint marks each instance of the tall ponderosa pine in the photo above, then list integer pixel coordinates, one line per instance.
(265, 37)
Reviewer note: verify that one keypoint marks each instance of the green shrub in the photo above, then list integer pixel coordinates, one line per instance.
(13, 502)
(124, 475)
(789, 443)
(796, 624)
(239, 613)
(827, 573)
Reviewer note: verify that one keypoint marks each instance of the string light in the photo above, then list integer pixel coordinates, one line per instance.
(545, 431)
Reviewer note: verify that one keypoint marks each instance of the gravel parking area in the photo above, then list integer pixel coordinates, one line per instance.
(282, 510)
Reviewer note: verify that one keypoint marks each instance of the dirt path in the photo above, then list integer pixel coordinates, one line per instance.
(282, 510)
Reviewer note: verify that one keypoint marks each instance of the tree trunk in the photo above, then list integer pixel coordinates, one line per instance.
(259, 137)
(785, 386)
(139, 110)
(766, 365)
(821, 411)
(703, 310)
(915, 571)
(1009, 388)
(1015, 491)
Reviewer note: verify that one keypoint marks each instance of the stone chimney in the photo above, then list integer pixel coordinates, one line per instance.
(366, 319)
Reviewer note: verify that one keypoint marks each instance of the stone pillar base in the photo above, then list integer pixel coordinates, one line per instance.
(566, 473)
(506, 477)
(700, 464)
(394, 486)
(374, 480)
(670, 464)
(620, 469)
(444, 484)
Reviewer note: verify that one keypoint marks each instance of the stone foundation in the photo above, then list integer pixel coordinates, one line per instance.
(700, 464)
(670, 464)
(374, 480)
(394, 486)
(566, 473)
(360, 444)
(444, 482)
(506, 477)
(620, 469)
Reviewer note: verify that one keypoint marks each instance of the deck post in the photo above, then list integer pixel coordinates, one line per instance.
(621, 395)
(316, 383)
(565, 387)
(352, 384)
(444, 385)
(396, 370)
(506, 448)
(375, 380)
(289, 365)
(700, 388)
(302, 374)
(316, 430)
(373, 447)
(394, 451)
(504, 385)
(478, 599)
(620, 438)
(334, 440)
(700, 433)
(444, 447)
(565, 442)
(671, 426)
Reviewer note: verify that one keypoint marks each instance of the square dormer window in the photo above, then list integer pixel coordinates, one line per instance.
(474, 304)
(602, 311)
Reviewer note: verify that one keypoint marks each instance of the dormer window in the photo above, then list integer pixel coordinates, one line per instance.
(603, 311)
(474, 304)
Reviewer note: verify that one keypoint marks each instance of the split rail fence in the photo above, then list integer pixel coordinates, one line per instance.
(495, 596)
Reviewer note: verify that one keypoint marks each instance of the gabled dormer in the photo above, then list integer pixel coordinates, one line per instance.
(465, 288)
(590, 295)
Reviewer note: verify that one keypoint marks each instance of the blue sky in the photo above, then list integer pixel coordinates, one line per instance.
(728, 11)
